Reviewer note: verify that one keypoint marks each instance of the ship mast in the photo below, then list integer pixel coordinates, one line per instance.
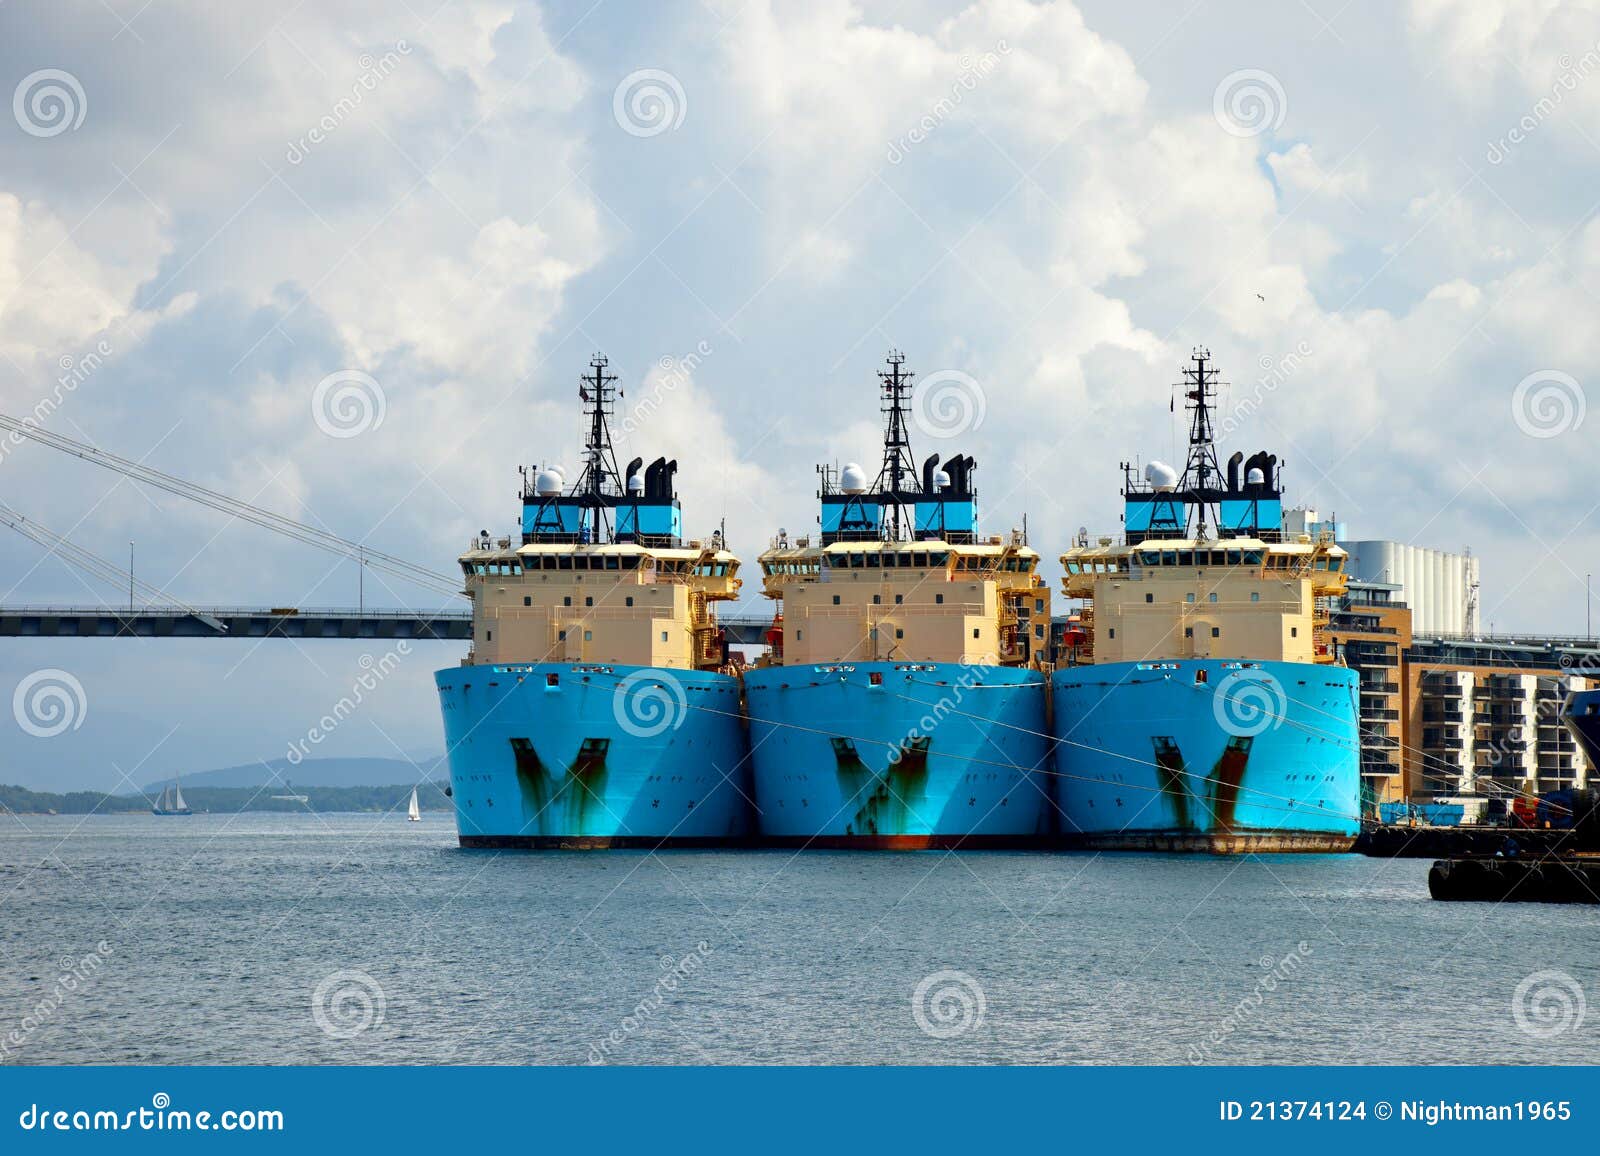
(897, 461)
(600, 477)
(1202, 476)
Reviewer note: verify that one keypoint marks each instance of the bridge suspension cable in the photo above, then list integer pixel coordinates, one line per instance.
(96, 566)
(396, 567)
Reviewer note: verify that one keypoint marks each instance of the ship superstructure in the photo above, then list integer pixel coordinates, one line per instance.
(1203, 709)
(901, 705)
(596, 707)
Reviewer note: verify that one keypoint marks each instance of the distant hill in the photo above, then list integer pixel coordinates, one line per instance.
(313, 773)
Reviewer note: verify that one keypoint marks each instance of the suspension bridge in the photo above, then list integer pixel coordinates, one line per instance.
(152, 612)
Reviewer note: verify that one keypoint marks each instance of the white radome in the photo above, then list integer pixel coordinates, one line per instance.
(635, 484)
(853, 479)
(941, 480)
(1161, 476)
(1254, 476)
(547, 483)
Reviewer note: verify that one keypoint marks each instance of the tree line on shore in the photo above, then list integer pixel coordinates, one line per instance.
(228, 800)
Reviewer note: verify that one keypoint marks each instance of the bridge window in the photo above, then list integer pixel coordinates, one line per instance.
(836, 600)
(1255, 596)
(564, 562)
(526, 601)
(877, 599)
(630, 600)
(1149, 597)
(588, 636)
(1112, 632)
(872, 561)
(589, 601)
(1235, 557)
(1211, 597)
(612, 562)
(939, 599)
(1169, 557)
(1038, 605)
(1186, 557)
(1216, 632)
(567, 600)
(1252, 557)
(891, 561)
(1189, 597)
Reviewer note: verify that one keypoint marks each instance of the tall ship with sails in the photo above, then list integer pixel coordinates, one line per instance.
(1202, 708)
(900, 705)
(171, 801)
(596, 707)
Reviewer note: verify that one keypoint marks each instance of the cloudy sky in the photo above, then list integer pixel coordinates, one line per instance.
(1379, 217)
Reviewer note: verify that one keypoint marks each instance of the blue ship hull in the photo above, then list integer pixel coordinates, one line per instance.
(933, 755)
(1581, 714)
(570, 755)
(1208, 755)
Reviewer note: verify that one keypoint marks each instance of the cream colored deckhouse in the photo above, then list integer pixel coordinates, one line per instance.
(617, 603)
(917, 601)
(1182, 598)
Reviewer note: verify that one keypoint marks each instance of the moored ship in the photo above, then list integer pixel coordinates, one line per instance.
(900, 706)
(1203, 709)
(1581, 716)
(596, 708)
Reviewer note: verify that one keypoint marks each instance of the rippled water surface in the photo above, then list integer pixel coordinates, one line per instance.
(359, 939)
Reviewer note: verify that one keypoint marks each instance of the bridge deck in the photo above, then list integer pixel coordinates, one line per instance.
(267, 622)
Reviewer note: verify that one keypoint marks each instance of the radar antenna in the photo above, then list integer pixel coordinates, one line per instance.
(600, 476)
(1202, 476)
(897, 461)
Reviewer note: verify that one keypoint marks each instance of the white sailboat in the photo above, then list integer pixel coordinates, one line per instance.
(414, 812)
(170, 801)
